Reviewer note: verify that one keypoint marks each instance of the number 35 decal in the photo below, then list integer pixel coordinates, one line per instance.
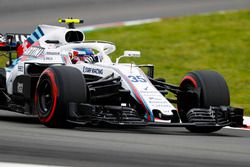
(137, 78)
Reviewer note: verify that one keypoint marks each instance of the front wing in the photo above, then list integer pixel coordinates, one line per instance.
(125, 116)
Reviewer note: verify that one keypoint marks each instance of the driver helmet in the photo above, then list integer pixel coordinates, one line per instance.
(86, 55)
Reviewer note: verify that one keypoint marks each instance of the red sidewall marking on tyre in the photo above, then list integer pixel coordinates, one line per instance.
(191, 79)
(54, 94)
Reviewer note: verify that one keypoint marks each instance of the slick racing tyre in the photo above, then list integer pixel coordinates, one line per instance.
(212, 90)
(57, 86)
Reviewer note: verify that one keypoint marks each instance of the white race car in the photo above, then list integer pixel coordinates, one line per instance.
(66, 81)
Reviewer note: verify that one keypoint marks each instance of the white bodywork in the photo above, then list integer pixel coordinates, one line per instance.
(132, 77)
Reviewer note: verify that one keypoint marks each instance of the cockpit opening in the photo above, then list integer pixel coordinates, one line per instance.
(74, 36)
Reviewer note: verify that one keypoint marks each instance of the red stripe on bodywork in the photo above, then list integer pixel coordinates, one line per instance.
(24, 58)
(139, 98)
(136, 94)
(65, 59)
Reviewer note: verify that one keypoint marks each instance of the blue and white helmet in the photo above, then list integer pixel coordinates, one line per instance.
(86, 55)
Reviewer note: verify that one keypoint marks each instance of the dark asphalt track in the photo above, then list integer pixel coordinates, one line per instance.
(24, 140)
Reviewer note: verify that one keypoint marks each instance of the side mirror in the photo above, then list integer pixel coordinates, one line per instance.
(129, 53)
(132, 53)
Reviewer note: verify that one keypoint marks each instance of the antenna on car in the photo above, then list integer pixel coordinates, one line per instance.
(71, 22)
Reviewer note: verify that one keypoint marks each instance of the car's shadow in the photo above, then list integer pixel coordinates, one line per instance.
(115, 129)
(20, 119)
(181, 131)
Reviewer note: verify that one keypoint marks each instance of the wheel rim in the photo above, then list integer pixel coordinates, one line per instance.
(45, 97)
(186, 103)
(188, 86)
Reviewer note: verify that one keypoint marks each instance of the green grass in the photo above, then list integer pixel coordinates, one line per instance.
(2, 60)
(219, 41)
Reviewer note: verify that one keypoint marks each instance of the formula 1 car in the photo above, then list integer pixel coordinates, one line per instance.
(44, 81)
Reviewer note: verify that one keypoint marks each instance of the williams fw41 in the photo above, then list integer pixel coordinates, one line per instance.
(69, 81)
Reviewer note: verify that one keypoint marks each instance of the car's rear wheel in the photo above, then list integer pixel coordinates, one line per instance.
(57, 86)
(211, 90)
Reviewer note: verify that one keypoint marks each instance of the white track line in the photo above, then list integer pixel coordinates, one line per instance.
(117, 24)
(136, 22)
(9, 164)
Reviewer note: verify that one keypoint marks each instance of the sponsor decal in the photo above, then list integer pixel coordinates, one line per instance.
(92, 70)
(154, 98)
(149, 93)
(20, 68)
(49, 58)
(19, 87)
(52, 53)
(34, 51)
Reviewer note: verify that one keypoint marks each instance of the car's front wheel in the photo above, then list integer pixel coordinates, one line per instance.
(57, 86)
(211, 90)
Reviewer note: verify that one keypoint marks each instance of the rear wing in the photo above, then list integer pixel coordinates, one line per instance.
(10, 41)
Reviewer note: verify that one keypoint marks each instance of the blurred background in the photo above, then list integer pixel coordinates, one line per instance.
(24, 15)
